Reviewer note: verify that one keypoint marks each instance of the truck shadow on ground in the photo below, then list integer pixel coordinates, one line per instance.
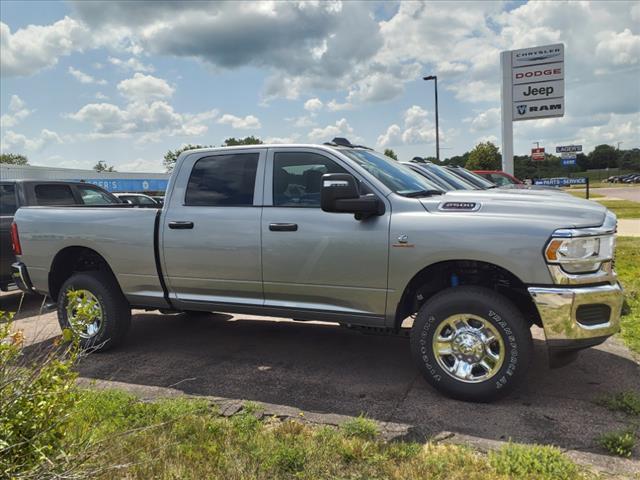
(330, 369)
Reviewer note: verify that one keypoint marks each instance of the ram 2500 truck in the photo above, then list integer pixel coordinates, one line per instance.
(341, 234)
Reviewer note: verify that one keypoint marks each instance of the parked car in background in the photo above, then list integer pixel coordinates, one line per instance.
(158, 198)
(471, 177)
(627, 178)
(498, 177)
(340, 233)
(441, 175)
(138, 199)
(19, 193)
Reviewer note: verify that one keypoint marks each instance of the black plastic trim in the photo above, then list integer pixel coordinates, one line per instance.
(156, 255)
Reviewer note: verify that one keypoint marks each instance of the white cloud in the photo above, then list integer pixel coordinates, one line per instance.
(244, 123)
(290, 139)
(147, 113)
(335, 106)
(100, 96)
(485, 120)
(143, 88)
(302, 122)
(141, 165)
(313, 105)
(340, 129)
(17, 112)
(132, 64)
(84, 77)
(619, 48)
(17, 142)
(417, 130)
(32, 48)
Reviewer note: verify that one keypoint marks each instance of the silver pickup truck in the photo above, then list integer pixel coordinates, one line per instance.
(340, 234)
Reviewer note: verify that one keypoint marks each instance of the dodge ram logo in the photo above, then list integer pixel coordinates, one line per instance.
(522, 109)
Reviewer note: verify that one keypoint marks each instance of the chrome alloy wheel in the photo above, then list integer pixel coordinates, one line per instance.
(468, 347)
(84, 314)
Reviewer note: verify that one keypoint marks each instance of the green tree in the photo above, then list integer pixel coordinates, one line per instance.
(603, 156)
(13, 159)
(484, 156)
(390, 153)
(232, 141)
(172, 155)
(630, 160)
(103, 167)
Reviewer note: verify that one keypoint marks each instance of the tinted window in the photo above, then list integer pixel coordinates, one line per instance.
(54, 195)
(223, 180)
(393, 175)
(93, 196)
(297, 177)
(500, 180)
(8, 205)
(146, 201)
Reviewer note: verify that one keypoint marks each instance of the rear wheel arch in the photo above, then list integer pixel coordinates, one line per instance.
(72, 260)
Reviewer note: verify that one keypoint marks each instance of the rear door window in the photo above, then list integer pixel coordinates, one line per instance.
(53, 194)
(93, 196)
(8, 203)
(223, 181)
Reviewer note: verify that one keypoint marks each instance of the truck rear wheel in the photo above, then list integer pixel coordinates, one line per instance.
(471, 343)
(98, 312)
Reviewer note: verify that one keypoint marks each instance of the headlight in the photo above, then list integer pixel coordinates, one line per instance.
(580, 254)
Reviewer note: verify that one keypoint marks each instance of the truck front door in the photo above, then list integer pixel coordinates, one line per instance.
(314, 260)
(211, 229)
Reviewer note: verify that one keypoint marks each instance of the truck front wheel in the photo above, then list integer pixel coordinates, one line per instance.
(92, 306)
(471, 343)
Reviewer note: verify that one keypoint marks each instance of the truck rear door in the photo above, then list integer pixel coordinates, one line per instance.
(211, 229)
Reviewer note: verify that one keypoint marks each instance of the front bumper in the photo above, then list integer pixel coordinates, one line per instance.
(21, 277)
(579, 317)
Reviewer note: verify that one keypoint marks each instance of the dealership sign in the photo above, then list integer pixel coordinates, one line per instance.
(532, 88)
(130, 185)
(537, 154)
(568, 148)
(561, 181)
(569, 158)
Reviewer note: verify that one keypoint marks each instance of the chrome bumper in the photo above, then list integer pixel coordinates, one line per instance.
(564, 313)
(21, 277)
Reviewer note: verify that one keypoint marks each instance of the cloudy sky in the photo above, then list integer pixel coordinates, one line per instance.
(123, 82)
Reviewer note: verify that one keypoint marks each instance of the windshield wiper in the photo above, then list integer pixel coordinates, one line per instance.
(423, 193)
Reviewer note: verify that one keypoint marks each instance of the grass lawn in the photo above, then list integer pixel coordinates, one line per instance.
(583, 194)
(623, 208)
(628, 269)
(187, 438)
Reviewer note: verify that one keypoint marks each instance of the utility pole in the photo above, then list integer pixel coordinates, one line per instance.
(435, 78)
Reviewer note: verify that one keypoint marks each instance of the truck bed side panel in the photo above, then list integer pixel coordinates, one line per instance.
(124, 237)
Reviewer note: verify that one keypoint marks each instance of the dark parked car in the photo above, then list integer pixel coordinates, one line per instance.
(21, 193)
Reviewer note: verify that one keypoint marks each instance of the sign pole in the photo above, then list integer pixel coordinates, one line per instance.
(507, 113)
(587, 188)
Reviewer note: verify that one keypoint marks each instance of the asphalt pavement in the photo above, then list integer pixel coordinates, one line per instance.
(625, 193)
(324, 368)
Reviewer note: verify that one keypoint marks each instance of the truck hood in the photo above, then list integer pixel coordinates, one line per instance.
(563, 211)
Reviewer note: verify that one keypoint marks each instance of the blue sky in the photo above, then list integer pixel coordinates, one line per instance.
(123, 82)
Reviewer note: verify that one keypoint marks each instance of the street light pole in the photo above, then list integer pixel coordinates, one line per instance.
(435, 78)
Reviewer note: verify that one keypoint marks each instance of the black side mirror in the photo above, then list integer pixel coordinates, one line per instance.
(340, 194)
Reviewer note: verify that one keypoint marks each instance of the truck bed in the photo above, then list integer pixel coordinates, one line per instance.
(125, 237)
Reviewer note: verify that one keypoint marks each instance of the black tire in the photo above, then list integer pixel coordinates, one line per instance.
(116, 311)
(493, 308)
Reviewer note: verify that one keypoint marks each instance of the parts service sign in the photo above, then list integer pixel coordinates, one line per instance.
(538, 82)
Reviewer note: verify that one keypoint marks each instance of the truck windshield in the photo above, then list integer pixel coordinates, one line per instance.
(398, 178)
(454, 180)
(473, 178)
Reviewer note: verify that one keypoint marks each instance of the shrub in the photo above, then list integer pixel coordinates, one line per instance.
(619, 443)
(627, 402)
(360, 427)
(37, 392)
(537, 461)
